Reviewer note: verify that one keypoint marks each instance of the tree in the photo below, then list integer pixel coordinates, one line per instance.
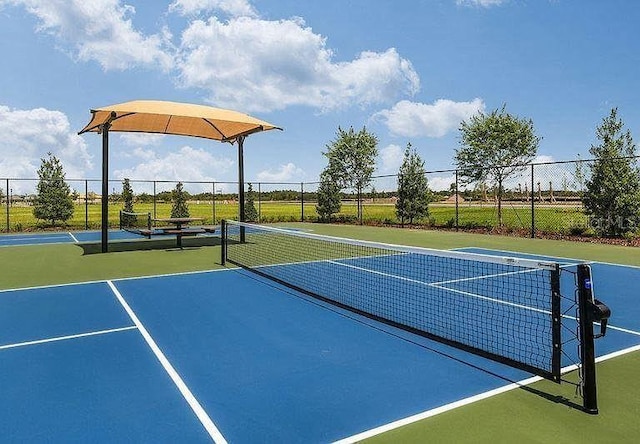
(250, 212)
(413, 189)
(494, 147)
(352, 158)
(328, 196)
(127, 199)
(53, 201)
(179, 197)
(612, 196)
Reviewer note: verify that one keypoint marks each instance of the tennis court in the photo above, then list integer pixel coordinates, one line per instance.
(230, 355)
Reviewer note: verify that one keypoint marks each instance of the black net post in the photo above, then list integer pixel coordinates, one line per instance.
(590, 310)
(556, 325)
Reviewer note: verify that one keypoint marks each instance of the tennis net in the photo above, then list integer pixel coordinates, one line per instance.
(504, 308)
(500, 308)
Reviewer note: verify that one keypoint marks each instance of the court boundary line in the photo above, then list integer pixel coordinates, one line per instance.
(102, 281)
(589, 261)
(66, 337)
(186, 393)
(466, 401)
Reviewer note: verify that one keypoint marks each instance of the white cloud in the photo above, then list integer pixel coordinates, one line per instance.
(441, 183)
(480, 3)
(261, 65)
(284, 173)
(187, 164)
(26, 136)
(246, 62)
(99, 30)
(543, 158)
(235, 8)
(391, 158)
(412, 119)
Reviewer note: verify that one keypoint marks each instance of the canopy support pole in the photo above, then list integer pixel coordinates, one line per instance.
(241, 184)
(105, 182)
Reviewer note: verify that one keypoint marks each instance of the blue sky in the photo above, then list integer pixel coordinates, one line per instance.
(410, 71)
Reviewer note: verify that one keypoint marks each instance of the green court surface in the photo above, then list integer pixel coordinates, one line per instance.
(529, 414)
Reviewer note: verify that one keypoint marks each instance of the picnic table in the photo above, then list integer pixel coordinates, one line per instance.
(180, 226)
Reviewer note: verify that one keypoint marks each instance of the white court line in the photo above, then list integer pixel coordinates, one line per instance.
(28, 238)
(73, 237)
(454, 405)
(202, 415)
(64, 338)
(101, 281)
(589, 261)
(514, 253)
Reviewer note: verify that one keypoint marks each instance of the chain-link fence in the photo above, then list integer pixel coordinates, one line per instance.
(537, 198)
(542, 197)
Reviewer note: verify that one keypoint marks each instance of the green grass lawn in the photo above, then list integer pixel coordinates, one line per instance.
(521, 415)
(558, 219)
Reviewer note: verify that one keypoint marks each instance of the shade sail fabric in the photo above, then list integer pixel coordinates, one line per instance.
(182, 119)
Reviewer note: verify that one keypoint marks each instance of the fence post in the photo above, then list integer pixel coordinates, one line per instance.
(8, 204)
(457, 203)
(154, 200)
(259, 202)
(86, 204)
(301, 201)
(533, 206)
(213, 199)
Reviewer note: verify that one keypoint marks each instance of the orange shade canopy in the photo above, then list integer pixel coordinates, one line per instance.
(182, 119)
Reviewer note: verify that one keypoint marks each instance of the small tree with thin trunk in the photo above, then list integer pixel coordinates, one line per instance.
(352, 160)
(494, 147)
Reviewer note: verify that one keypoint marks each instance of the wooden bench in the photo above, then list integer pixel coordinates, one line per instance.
(146, 233)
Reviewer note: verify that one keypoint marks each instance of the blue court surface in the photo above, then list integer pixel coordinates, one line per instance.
(62, 237)
(229, 356)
